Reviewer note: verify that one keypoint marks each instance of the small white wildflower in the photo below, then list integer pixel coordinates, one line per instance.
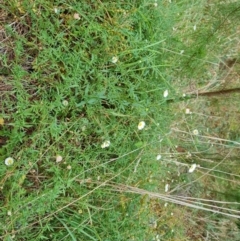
(9, 213)
(187, 111)
(141, 125)
(56, 10)
(195, 132)
(192, 168)
(65, 103)
(58, 158)
(165, 205)
(184, 95)
(158, 157)
(105, 144)
(165, 93)
(155, 5)
(171, 214)
(9, 161)
(114, 59)
(76, 16)
(194, 28)
(166, 187)
(69, 167)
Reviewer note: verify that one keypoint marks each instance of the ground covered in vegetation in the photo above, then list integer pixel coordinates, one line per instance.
(119, 120)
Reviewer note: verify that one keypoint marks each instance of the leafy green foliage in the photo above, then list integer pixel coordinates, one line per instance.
(79, 74)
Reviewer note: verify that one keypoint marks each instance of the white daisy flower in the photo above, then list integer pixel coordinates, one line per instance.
(158, 157)
(187, 111)
(105, 144)
(166, 187)
(76, 16)
(141, 125)
(9, 161)
(195, 132)
(65, 103)
(56, 10)
(114, 59)
(58, 158)
(192, 168)
(165, 93)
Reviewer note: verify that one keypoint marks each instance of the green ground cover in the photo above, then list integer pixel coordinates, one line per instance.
(93, 114)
